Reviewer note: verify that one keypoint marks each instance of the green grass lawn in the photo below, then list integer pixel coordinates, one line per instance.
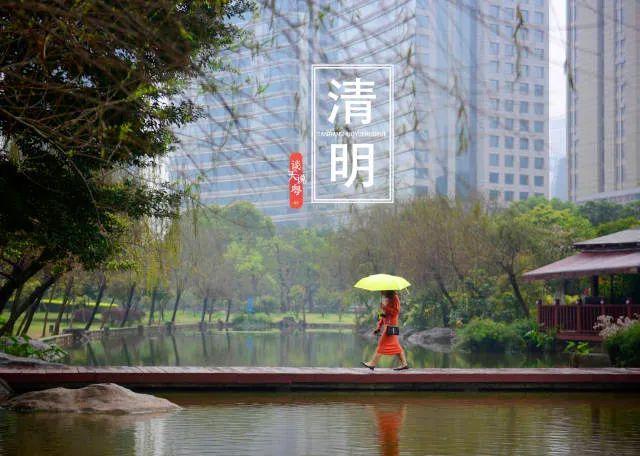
(182, 317)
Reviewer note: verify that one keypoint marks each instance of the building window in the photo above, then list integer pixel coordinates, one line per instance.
(494, 159)
(494, 11)
(508, 124)
(524, 125)
(524, 143)
(494, 84)
(538, 126)
(539, 90)
(524, 88)
(493, 195)
(538, 181)
(508, 86)
(538, 145)
(539, 52)
(508, 195)
(508, 105)
(509, 50)
(524, 107)
(493, 141)
(538, 18)
(493, 122)
(508, 68)
(524, 162)
(508, 178)
(508, 161)
(508, 142)
(538, 72)
(494, 103)
(494, 48)
(494, 66)
(538, 108)
(493, 178)
(508, 13)
(538, 36)
(539, 163)
(524, 196)
(524, 179)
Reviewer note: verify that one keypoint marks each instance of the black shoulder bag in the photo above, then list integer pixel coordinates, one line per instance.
(393, 330)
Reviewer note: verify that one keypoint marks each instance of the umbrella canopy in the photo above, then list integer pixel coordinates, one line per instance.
(379, 282)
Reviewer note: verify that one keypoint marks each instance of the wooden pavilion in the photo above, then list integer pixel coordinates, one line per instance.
(613, 254)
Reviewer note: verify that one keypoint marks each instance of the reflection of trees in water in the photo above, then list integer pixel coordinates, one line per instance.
(176, 354)
(275, 348)
(73, 433)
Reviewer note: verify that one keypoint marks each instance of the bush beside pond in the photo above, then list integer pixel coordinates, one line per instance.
(484, 334)
(251, 321)
(624, 346)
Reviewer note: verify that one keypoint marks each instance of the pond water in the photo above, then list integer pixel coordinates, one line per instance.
(340, 423)
(339, 348)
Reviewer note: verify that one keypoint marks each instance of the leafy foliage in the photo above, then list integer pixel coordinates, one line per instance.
(22, 346)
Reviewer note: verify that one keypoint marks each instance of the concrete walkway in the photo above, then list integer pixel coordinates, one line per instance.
(325, 378)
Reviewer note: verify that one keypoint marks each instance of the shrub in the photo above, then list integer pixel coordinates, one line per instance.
(483, 334)
(251, 321)
(117, 314)
(535, 339)
(24, 347)
(82, 314)
(623, 345)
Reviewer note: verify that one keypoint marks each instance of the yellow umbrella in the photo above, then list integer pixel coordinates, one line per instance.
(378, 282)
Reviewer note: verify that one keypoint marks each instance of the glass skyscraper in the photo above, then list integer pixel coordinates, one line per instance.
(471, 88)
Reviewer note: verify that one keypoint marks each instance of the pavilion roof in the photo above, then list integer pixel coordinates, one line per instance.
(617, 253)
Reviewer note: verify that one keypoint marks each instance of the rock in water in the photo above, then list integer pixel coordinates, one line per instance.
(98, 398)
(432, 336)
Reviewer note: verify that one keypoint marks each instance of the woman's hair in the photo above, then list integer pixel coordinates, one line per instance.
(389, 293)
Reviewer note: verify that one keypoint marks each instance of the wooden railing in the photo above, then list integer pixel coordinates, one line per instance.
(574, 321)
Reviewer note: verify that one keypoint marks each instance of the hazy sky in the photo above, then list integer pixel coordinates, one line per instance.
(557, 52)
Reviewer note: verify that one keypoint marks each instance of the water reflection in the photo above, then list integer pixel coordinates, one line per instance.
(389, 420)
(344, 423)
(274, 348)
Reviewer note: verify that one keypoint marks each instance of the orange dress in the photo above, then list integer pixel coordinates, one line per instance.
(389, 345)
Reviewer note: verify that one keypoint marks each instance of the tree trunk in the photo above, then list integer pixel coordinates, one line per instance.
(204, 308)
(65, 300)
(228, 310)
(7, 328)
(176, 304)
(29, 317)
(516, 291)
(103, 286)
(46, 314)
(128, 306)
(19, 275)
(108, 317)
(154, 293)
(444, 308)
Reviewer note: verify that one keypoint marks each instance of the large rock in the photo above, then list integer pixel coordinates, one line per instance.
(98, 398)
(432, 336)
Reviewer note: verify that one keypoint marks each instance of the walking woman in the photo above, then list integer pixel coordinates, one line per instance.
(388, 344)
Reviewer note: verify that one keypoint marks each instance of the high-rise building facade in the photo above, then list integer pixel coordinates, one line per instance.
(513, 109)
(471, 100)
(603, 100)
